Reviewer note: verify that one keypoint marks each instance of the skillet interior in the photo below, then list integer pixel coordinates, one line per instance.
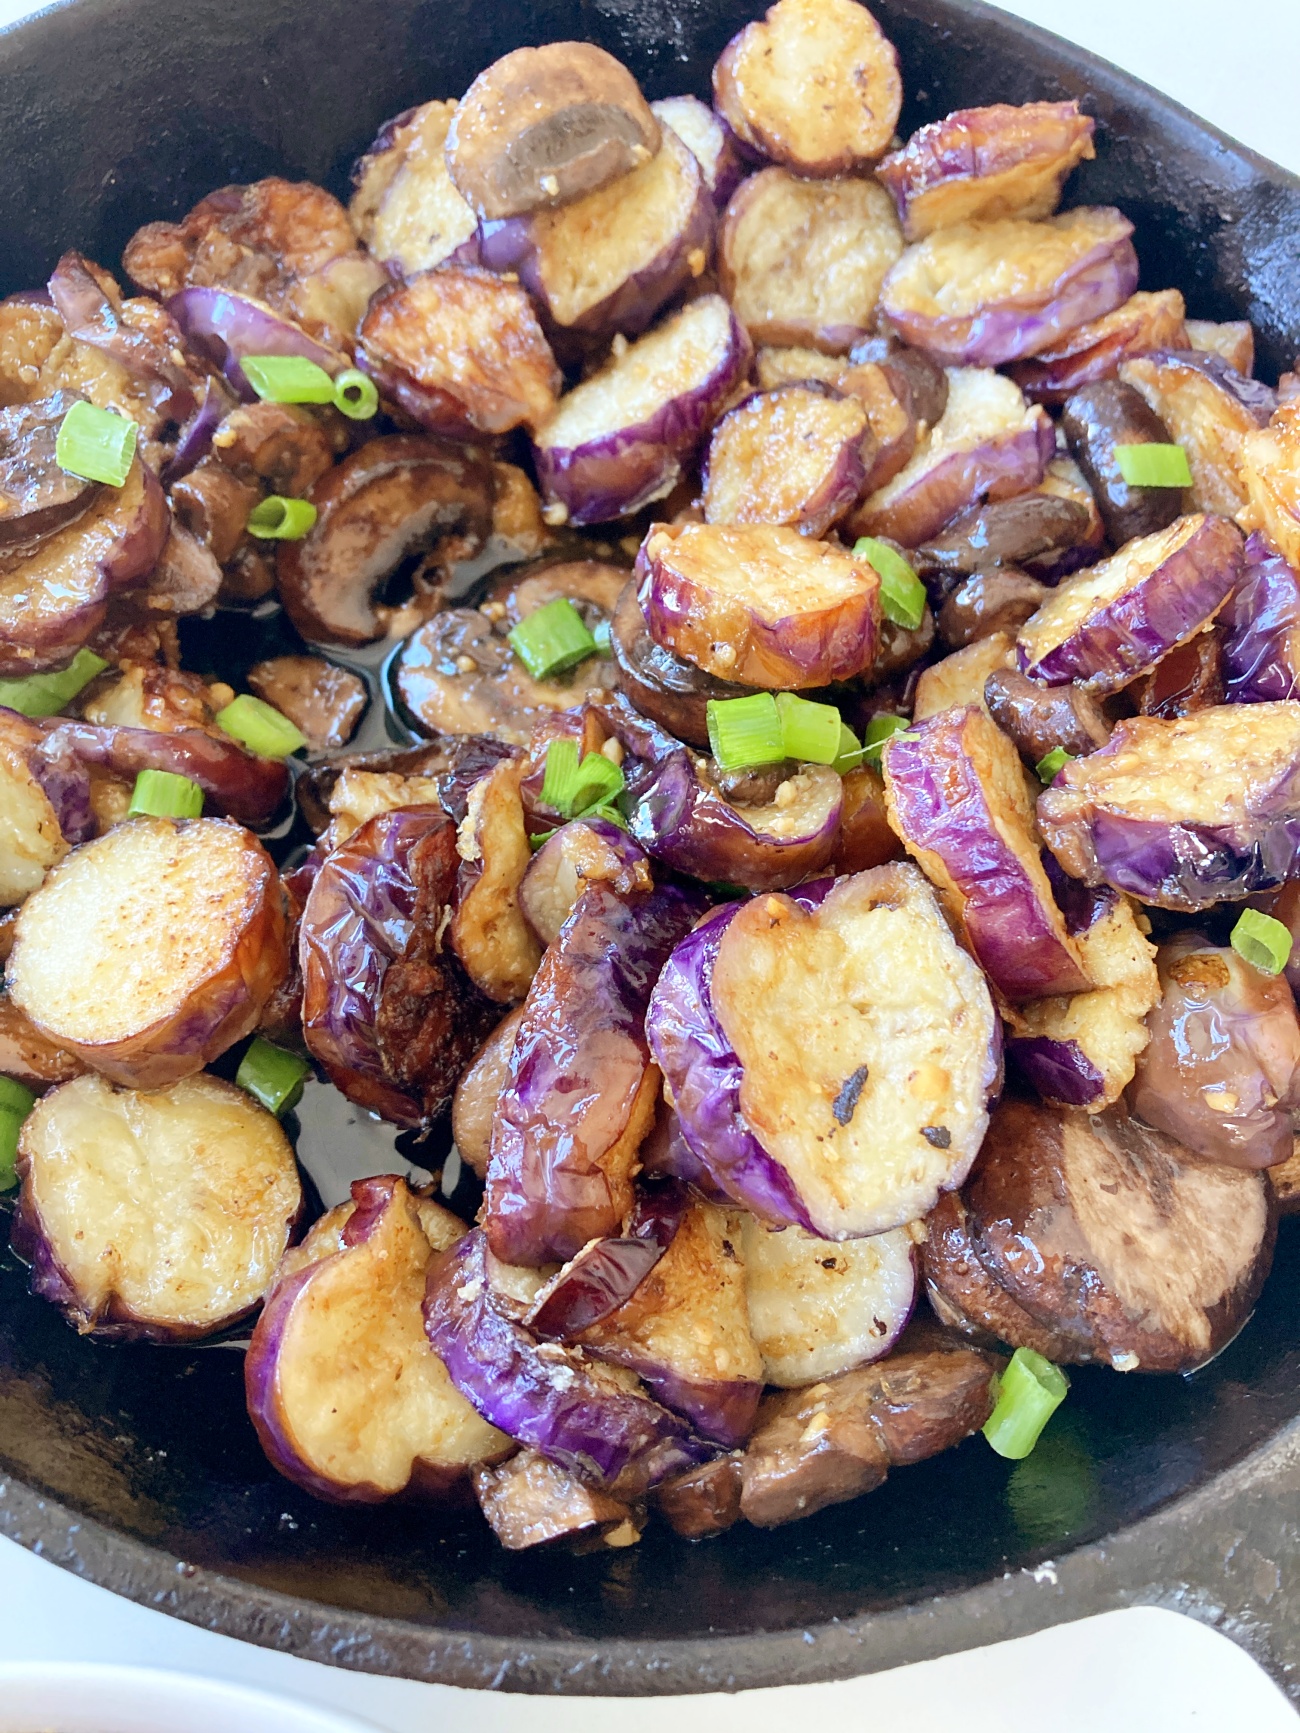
(136, 1467)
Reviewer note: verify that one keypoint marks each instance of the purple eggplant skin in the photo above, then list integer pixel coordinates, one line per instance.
(63, 779)
(606, 1273)
(1261, 630)
(1201, 563)
(624, 468)
(1059, 1071)
(1244, 838)
(228, 327)
(236, 783)
(90, 316)
(709, 139)
(194, 441)
(557, 1403)
(1222, 1070)
(1008, 330)
(578, 1076)
(705, 1073)
(685, 823)
(581, 852)
(665, 1154)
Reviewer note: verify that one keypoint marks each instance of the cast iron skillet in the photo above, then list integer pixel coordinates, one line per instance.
(136, 1467)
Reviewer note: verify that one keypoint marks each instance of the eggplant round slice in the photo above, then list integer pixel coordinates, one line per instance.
(348, 1398)
(157, 1217)
(790, 456)
(458, 674)
(1111, 1231)
(830, 1052)
(153, 949)
(817, 1310)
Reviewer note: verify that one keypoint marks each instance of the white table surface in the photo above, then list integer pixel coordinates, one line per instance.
(1142, 1671)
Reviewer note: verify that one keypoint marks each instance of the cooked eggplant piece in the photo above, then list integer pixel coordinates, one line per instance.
(158, 1217)
(1093, 352)
(961, 678)
(458, 674)
(965, 1296)
(339, 794)
(31, 837)
(685, 1331)
(1222, 1070)
(606, 1273)
(285, 244)
(999, 601)
(405, 205)
(348, 1398)
(771, 1007)
(663, 686)
(866, 839)
(765, 79)
(983, 163)
(582, 1089)
(394, 498)
(386, 1010)
(152, 950)
(1260, 628)
(838, 1439)
(621, 439)
(957, 799)
(323, 701)
(1096, 420)
(593, 1420)
(488, 932)
(708, 138)
(1081, 1050)
(1189, 678)
(981, 294)
(1183, 814)
(1118, 619)
(531, 1501)
(607, 263)
(544, 126)
(1284, 1183)
(702, 1501)
(474, 1104)
(588, 851)
(55, 596)
(1037, 719)
(759, 603)
(988, 445)
(1209, 410)
(1233, 342)
(1269, 470)
(36, 496)
(791, 456)
(26, 1055)
(1109, 1230)
(802, 261)
(817, 1310)
(461, 352)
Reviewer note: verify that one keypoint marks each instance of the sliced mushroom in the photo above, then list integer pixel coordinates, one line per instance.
(278, 444)
(669, 690)
(394, 500)
(323, 701)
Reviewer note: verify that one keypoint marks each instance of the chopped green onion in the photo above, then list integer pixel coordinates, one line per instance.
(1263, 942)
(1026, 1396)
(96, 444)
(902, 594)
(810, 731)
(1053, 763)
(46, 694)
(610, 814)
(355, 395)
(273, 1076)
(849, 756)
(599, 781)
(161, 794)
(600, 632)
(277, 519)
(259, 727)
(552, 640)
(287, 379)
(15, 1104)
(1154, 465)
(560, 782)
(745, 731)
(879, 730)
(537, 837)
